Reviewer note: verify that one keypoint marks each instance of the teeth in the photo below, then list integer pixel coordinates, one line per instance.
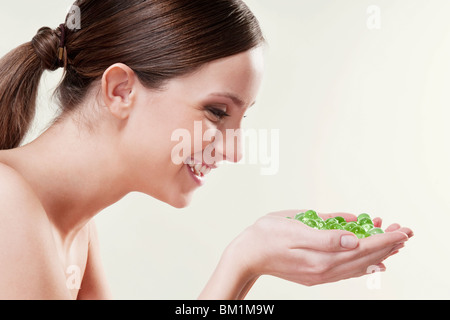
(198, 169)
(205, 170)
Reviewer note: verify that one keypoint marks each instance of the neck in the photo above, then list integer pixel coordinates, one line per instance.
(74, 172)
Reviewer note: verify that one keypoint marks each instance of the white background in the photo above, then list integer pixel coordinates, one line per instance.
(363, 118)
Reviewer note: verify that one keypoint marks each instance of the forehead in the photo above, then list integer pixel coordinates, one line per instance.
(237, 77)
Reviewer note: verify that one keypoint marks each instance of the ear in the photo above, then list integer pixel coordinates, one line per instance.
(118, 90)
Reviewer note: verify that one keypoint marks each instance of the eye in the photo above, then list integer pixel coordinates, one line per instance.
(216, 112)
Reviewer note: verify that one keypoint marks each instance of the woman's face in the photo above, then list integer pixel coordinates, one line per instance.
(175, 136)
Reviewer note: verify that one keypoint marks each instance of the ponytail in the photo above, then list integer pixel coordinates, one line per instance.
(20, 73)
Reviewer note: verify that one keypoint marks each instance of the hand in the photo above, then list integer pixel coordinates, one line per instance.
(288, 249)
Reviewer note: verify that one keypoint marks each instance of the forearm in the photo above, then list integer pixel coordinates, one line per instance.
(230, 281)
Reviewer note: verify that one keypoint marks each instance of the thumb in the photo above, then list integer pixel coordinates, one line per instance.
(349, 241)
(323, 240)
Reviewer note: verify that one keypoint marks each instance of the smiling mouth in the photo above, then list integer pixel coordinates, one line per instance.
(198, 169)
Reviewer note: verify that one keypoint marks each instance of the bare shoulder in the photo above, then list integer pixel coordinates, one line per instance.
(20, 208)
(15, 191)
(29, 268)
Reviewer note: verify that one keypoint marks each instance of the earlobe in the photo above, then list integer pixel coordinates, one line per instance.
(118, 85)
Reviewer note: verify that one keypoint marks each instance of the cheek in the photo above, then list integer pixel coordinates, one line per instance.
(195, 140)
(147, 141)
(151, 170)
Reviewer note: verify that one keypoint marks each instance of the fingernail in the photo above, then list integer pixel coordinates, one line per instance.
(349, 241)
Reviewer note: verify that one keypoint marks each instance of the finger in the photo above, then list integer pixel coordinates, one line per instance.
(383, 239)
(396, 249)
(393, 227)
(358, 271)
(408, 231)
(372, 248)
(377, 222)
(353, 268)
(357, 262)
(381, 267)
(397, 227)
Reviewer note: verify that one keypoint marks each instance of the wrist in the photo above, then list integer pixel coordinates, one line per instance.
(232, 278)
(238, 260)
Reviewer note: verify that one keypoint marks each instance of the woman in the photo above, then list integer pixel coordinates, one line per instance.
(135, 72)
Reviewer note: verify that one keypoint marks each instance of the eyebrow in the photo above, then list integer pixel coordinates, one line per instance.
(236, 100)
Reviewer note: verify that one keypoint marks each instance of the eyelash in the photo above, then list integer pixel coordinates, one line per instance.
(218, 113)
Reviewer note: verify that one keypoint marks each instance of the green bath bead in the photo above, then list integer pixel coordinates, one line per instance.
(299, 216)
(335, 226)
(321, 224)
(328, 225)
(311, 214)
(339, 219)
(360, 235)
(365, 221)
(375, 231)
(362, 228)
(358, 230)
(303, 219)
(310, 223)
(363, 215)
(367, 227)
(350, 225)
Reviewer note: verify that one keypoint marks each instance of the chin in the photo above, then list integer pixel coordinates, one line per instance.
(172, 195)
(179, 205)
(178, 201)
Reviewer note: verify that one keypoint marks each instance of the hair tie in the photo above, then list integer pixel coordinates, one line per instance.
(62, 42)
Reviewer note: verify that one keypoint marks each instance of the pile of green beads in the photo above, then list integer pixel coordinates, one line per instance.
(362, 228)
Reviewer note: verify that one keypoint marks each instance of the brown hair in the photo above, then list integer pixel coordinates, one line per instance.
(158, 39)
